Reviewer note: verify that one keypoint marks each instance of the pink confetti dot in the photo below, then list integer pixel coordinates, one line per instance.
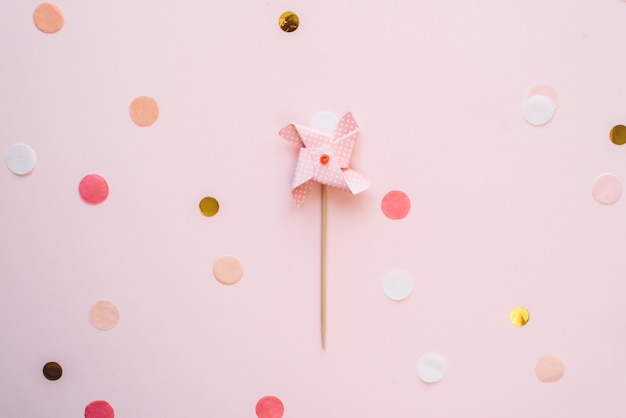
(607, 189)
(270, 407)
(93, 189)
(396, 205)
(99, 409)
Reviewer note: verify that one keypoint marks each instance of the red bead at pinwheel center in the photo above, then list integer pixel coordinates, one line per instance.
(324, 159)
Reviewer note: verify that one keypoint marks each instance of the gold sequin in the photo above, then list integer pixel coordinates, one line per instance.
(618, 135)
(519, 316)
(209, 206)
(288, 21)
(52, 370)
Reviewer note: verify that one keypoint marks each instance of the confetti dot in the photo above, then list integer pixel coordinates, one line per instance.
(99, 409)
(396, 205)
(104, 315)
(20, 159)
(618, 135)
(144, 111)
(48, 18)
(549, 368)
(398, 284)
(52, 370)
(209, 206)
(270, 407)
(228, 270)
(93, 189)
(607, 189)
(538, 109)
(324, 121)
(519, 316)
(431, 367)
(288, 21)
(547, 91)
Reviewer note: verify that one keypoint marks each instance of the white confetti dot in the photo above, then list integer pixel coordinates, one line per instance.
(538, 110)
(431, 367)
(20, 159)
(398, 284)
(324, 121)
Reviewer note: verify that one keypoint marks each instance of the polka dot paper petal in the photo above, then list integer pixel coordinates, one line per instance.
(396, 205)
(398, 284)
(228, 270)
(607, 189)
(93, 189)
(20, 159)
(144, 111)
(538, 110)
(549, 368)
(52, 370)
(519, 316)
(99, 409)
(431, 367)
(270, 407)
(104, 315)
(48, 18)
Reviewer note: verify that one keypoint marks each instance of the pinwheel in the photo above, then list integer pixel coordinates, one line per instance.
(324, 158)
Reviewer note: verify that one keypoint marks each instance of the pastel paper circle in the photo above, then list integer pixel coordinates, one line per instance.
(431, 367)
(519, 316)
(228, 270)
(93, 189)
(324, 121)
(104, 315)
(398, 284)
(607, 189)
(52, 370)
(270, 407)
(144, 111)
(549, 368)
(209, 206)
(538, 109)
(20, 159)
(48, 17)
(396, 205)
(99, 409)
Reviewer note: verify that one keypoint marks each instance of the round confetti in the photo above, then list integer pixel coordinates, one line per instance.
(144, 111)
(20, 159)
(538, 110)
(270, 407)
(324, 121)
(93, 189)
(228, 270)
(288, 21)
(48, 18)
(431, 367)
(607, 189)
(398, 284)
(209, 206)
(547, 91)
(519, 316)
(52, 370)
(549, 368)
(99, 409)
(618, 135)
(104, 315)
(396, 205)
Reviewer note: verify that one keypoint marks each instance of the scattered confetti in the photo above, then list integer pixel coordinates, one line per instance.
(270, 407)
(607, 189)
(99, 409)
(549, 368)
(398, 284)
(228, 270)
(289, 21)
(431, 367)
(519, 316)
(48, 18)
(20, 159)
(396, 205)
(144, 111)
(93, 189)
(52, 370)
(104, 315)
(209, 206)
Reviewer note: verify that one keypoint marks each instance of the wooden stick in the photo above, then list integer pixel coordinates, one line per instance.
(323, 266)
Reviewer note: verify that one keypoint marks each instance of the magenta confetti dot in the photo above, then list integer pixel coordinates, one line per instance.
(93, 189)
(99, 409)
(396, 205)
(270, 407)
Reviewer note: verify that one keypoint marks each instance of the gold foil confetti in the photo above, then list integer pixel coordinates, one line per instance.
(288, 21)
(519, 316)
(209, 206)
(52, 370)
(618, 135)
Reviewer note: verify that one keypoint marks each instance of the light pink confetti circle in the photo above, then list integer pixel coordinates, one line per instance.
(228, 270)
(99, 409)
(104, 315)
(549, 368)
(270, 407)
(93, 189)
(396, 205)
(607, 189)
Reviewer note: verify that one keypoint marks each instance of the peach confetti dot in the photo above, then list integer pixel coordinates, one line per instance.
(144, 111)
(93, 189)
(228, 270)
(104, 315)
(396, 205)
(99, 409)
(48, 18)
(607, 189)
(209, 206)
(270, 407)
(549, 368)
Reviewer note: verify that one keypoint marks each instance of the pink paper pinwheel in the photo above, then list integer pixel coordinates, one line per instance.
(324, 158)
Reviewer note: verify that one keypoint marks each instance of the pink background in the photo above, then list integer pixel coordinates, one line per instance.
(502, 211)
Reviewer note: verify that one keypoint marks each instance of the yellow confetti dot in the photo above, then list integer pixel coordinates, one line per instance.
(288, 21)
(519, 316)
(618, 135)
(209, 206)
